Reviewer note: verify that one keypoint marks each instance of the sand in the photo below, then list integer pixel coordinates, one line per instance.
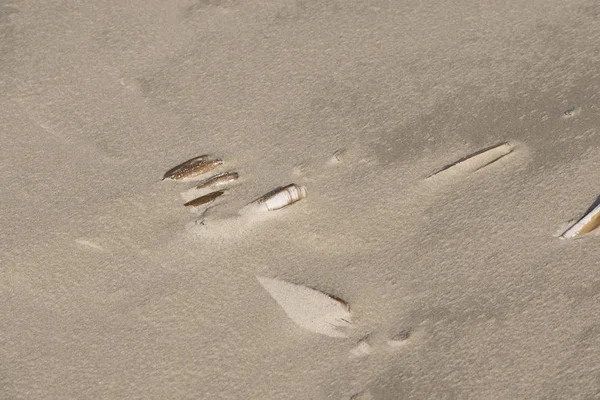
(458, 288)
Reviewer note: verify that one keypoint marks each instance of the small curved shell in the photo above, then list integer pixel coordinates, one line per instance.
(282, 197)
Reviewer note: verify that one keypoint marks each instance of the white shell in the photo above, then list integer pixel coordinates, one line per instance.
(475, 161)
(586, 224)
(281, 197)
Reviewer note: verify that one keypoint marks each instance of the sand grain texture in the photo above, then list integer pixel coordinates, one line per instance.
(105, 292)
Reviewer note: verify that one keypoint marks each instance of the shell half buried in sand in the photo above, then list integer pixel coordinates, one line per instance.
(281, 197)
(207, 198)
(475, 161)
(187, 164)
(192, 168)
(585, 225)
(219, 180)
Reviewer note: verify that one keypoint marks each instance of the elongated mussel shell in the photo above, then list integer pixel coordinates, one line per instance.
(193, 168)
(219, 180)
(585, 225)
(282, 197)
(187, 164)
(204, 199)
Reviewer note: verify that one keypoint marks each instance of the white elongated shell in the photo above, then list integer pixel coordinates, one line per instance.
(282, 197)
(585, 225)
(475, 161)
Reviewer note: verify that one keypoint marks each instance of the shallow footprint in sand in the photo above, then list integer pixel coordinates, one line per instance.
(362, 348)
(400, 339)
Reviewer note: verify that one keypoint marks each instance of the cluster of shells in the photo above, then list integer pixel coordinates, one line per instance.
(198, 167)
(321, 312)
(283, 196)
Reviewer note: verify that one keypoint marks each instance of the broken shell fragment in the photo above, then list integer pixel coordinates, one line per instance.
(572, 112)
(585, 225)
(204, 199)
(219, 180)
(192, 168)
(282, 197)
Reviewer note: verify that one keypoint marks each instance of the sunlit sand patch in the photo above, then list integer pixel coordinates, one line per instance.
(89, 244)
(308, 308)
(362, 348)
(193, 193)
(215, 227)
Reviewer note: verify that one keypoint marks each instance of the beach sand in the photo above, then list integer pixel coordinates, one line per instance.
(458, 287)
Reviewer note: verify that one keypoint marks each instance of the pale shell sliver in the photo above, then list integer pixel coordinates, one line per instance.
(585, 225)
(282, 197)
